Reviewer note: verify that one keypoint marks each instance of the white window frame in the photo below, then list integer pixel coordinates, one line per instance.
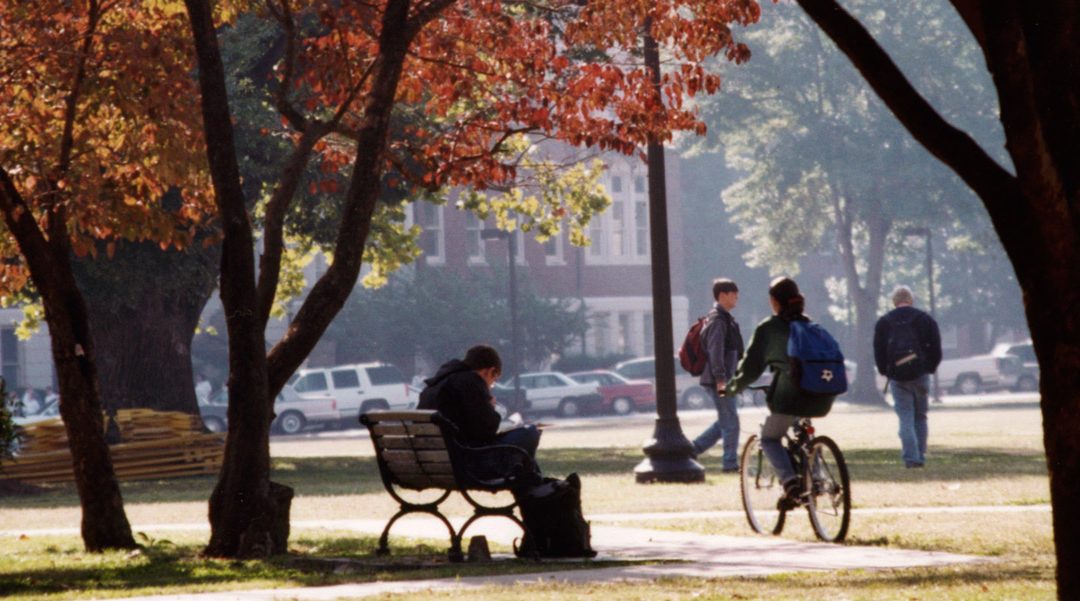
(438, 227)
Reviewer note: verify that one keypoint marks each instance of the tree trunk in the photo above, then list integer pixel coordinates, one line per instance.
(143, 327)
(104, 522)
(864, 296)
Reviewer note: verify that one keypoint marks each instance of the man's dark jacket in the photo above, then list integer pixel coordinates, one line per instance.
(463, 397)
(926, 329)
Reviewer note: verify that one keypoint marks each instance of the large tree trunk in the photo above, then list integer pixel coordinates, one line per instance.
(143, 326)
(104, 522)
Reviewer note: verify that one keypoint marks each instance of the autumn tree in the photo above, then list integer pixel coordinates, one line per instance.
(483, 73)
(1031, 50)
(93, 136)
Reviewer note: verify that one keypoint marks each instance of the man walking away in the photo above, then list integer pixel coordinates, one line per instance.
(723, 346)
(907, 349)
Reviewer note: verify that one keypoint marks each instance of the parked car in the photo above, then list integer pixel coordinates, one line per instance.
(293, 412)
(620, 395)
(689, 393)
(553, 391)
(1028, 378)
(357, 388)
(978, 373)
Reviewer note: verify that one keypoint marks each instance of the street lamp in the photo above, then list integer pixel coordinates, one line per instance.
(511, 244)
(925, 233)
(668, 455)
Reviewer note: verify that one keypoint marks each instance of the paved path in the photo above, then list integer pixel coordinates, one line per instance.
(699, 556)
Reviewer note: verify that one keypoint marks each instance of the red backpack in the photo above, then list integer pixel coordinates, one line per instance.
(692, 354)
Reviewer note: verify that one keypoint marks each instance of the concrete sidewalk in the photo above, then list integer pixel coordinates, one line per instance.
(698, 556)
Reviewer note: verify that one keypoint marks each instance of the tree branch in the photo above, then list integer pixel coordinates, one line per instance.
(997, 187)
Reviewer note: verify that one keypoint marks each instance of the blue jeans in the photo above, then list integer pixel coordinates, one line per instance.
(772, 431)
(911, 401)
(726, 427)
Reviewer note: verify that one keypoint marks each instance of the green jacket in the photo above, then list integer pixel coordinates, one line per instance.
(768, 349)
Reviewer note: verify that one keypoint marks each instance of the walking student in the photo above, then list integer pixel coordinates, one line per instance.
(907, 349)
(723, 344)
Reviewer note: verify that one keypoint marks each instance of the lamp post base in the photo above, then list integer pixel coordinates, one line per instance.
(669, 456)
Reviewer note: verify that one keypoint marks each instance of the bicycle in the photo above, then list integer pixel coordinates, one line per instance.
(826, 488)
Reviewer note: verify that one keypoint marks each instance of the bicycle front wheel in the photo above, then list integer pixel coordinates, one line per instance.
(829, 502)
(761, 489)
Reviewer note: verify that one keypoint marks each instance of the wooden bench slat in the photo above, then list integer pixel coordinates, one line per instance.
(403, 428)
(391, 455)
(376, 417)
(405, 442)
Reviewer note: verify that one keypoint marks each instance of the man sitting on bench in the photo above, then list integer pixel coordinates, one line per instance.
(461, 392)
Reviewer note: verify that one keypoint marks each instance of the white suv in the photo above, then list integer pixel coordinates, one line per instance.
(357, 388)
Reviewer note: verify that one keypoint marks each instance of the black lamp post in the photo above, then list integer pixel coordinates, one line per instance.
(668, 455)
(511, 243)
(925, 233)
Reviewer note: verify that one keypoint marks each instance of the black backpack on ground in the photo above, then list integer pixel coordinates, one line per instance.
(553, 519)
(903, 358)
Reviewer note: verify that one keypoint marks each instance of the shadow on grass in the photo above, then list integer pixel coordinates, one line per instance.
(162, 566)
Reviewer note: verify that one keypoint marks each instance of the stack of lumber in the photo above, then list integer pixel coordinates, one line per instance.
(155, 444)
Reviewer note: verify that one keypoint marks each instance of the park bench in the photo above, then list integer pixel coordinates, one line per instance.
(419, 450)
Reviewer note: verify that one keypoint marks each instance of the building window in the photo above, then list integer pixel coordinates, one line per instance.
(474, 244)
(618, 229)
(647, 323)
(9, 357)
(641, 225)
(620, 236)
(623, 341)
(601, 333)
(432, 237)
(553, 250)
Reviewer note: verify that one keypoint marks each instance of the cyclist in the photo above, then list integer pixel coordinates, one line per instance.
(768, 349)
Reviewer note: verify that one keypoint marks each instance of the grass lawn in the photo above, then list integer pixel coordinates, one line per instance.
(989, 455)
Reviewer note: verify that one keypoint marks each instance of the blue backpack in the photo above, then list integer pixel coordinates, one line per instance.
(817, 365)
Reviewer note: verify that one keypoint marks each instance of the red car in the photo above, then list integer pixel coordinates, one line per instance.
(621, 396)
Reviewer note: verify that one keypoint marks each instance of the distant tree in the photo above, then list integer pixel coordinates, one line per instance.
(1031, 50)
(436, 316)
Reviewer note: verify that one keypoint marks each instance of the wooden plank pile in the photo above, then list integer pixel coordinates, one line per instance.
(155, 444)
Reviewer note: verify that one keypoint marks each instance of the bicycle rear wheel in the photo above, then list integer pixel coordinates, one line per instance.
(829, 502)
(761, 489)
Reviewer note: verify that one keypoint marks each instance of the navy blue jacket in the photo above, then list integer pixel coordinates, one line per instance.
(925, 328)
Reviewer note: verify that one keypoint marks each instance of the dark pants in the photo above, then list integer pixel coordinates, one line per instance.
(501, 463)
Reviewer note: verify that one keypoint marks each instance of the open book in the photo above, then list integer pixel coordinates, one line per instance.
(515, 421)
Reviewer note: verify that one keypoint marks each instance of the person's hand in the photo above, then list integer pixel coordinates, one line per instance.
(721, 386)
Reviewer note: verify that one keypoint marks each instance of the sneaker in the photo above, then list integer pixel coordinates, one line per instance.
(730, 470)
(792, 495)
(912, 464)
